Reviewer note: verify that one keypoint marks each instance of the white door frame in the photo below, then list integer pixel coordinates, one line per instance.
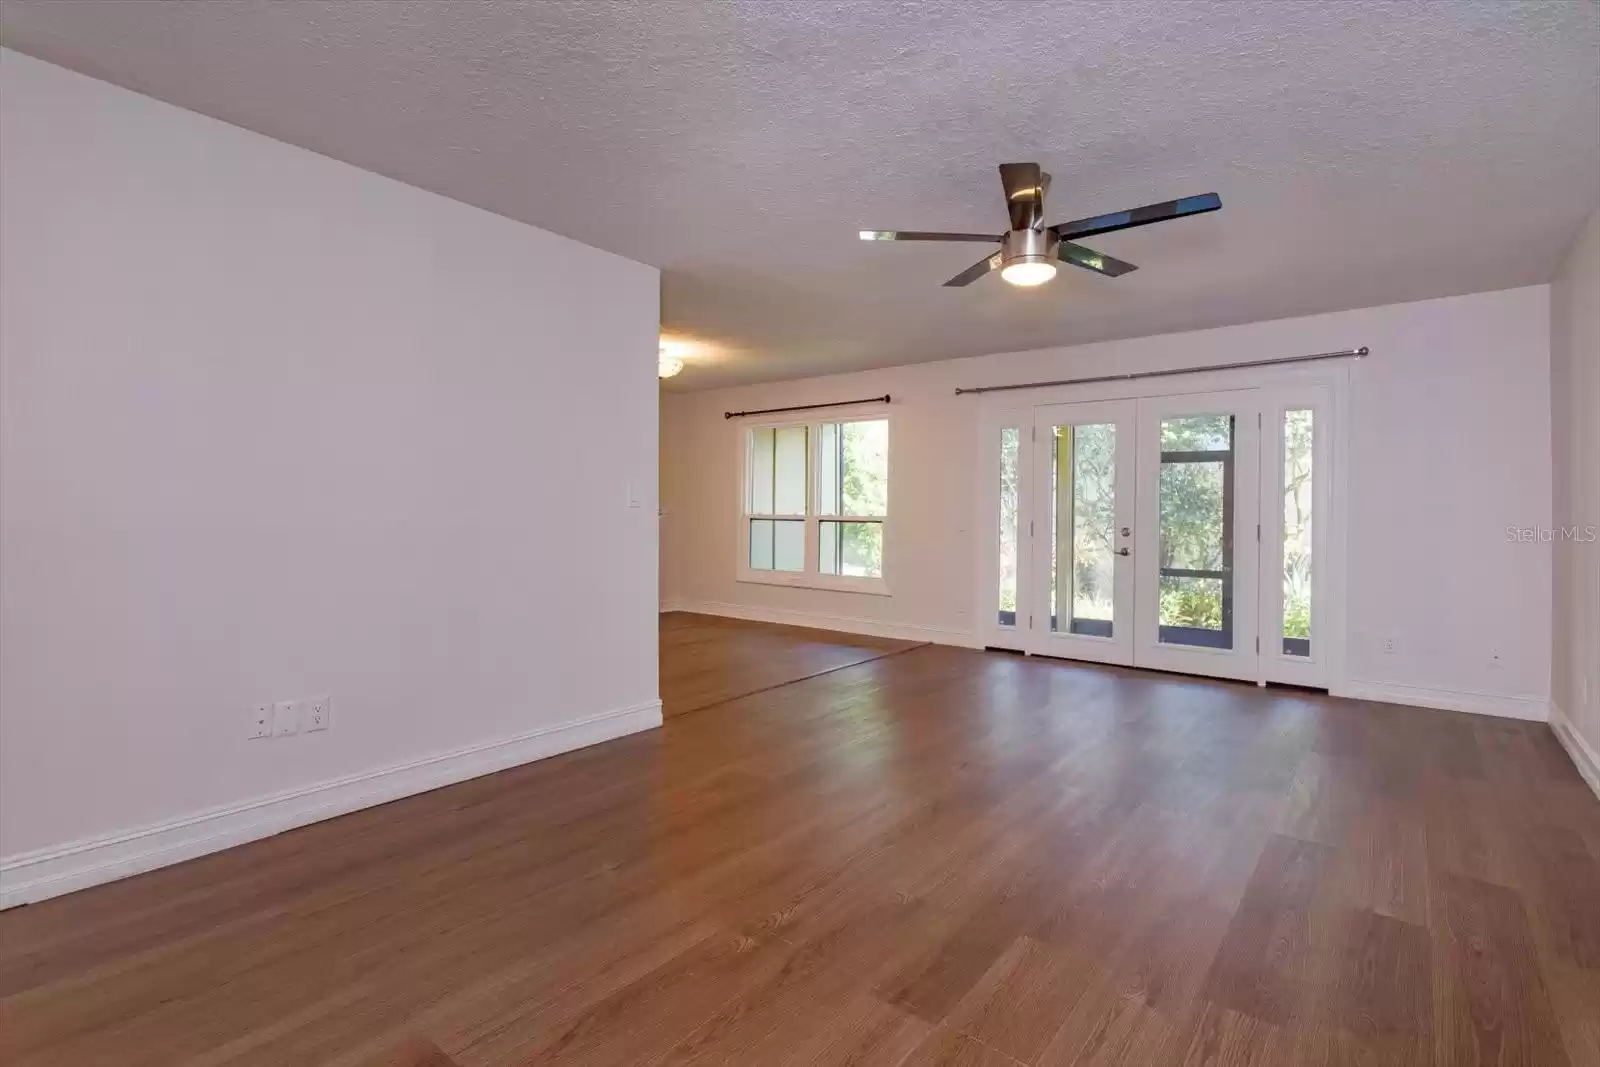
(1330, 534)
(992, 421)
(1276, 665)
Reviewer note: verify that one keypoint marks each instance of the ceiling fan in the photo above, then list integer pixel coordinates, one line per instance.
(1028, 252)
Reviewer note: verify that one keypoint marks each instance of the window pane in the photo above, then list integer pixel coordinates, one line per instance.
(761, 544)
(777, 545)
(853, 549)
(789, 546)
(1197, 433)
(854, 479)
(1086, 505)
(1196, 531)
(759, 497)
(1010, 442)
(1192, 612)
(1297, 438)
(789, 471)
(1192, 516)
(865, 488)
(828, 474)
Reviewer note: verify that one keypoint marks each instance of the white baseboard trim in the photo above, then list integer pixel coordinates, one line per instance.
(1586, 758)
(1533, 709)
(850, 624)
(30, 876)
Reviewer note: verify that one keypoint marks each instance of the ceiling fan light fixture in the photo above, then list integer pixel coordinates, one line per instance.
(1029, 250)
(1028, 272)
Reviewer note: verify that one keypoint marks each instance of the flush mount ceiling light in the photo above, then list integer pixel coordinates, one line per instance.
(670, 359)
(1030, 250)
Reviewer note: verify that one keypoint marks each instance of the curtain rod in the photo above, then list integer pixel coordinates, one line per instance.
(884, 399)
(1348, 353)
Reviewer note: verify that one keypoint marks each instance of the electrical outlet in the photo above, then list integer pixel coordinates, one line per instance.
(261, 721)
(319, 713)
(285, 718)
(1390, 645)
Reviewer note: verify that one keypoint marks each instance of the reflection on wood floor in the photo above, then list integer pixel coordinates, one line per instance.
(934, 857)
(706, 659)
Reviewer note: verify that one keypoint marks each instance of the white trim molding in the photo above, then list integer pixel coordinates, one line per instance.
(1506, 706)
(38, 875)
(816, 620)
(1584, 757)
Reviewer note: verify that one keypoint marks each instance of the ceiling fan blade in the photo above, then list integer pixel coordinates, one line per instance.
(976, 271)
(1025, 186)
(1139, 216)
(926, 235)
(1089, 259)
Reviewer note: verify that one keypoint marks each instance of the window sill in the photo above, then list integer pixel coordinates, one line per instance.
(828, 582)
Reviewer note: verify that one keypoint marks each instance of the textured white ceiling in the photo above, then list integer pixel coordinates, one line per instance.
(1366, 152)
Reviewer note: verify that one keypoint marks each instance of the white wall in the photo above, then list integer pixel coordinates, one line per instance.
(1575, 417)
(1449, 446)
(275, 427)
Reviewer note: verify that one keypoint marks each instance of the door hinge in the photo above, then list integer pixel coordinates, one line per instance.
(1033, 433)
(1030, 527)
(1258, 533)
(1258, 646)
(1030, 622)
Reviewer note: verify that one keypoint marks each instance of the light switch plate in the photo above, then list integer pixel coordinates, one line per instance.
(285, 718)
(260, 721)
(318, 713)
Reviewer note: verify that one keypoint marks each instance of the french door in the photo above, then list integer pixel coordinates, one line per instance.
(1173, 532)
(1196, 555)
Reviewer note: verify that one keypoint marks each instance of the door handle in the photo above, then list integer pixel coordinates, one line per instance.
(1122, 552)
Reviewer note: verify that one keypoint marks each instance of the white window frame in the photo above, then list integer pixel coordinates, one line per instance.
(811, 577)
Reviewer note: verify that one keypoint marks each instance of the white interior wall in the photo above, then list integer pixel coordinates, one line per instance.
(1449, 446)
(275, 427)
(1575, 418)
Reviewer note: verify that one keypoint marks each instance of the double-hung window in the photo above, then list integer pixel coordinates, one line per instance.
(816, 504)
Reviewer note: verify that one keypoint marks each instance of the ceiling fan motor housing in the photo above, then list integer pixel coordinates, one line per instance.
(1028, 246)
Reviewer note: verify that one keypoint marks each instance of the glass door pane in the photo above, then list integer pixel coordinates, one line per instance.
(1196, 530)
(1083, 607)
(1010, 498)
(1085, 529)
(1298, 504)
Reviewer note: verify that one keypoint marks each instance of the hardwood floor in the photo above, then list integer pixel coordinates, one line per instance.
(706, 659)
(934, 857)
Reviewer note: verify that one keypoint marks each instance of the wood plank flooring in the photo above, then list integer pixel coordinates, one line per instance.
(933, 857)
(706, 660)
